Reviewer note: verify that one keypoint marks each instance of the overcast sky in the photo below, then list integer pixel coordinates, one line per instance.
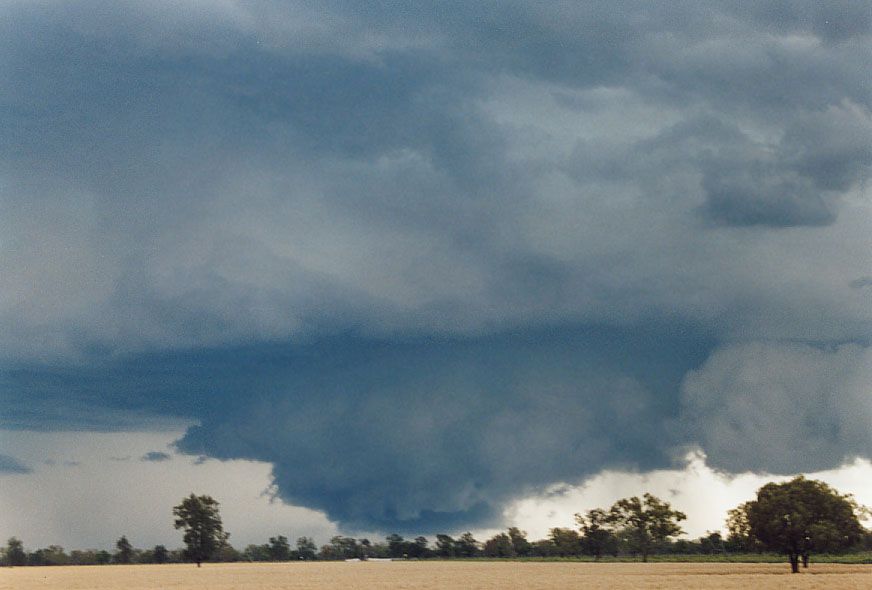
(410, 266)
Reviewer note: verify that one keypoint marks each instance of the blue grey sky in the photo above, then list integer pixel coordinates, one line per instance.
(425, 259)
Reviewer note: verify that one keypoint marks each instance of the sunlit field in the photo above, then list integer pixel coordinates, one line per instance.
(435, 574)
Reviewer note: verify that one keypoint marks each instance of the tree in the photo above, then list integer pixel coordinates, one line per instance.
(256, 553)
(739, 530)
(306, 548)
(712, 543)
(520, 545)
(103, 557)
(204, 533)
(418, 548)
(14, 554)
(798, 517)
(645, 521)
(500, 545)
(160, 554)
(466, 545)
(279, 548)
(566, 542)
(598, 537)
(125, 550)
(445, 546)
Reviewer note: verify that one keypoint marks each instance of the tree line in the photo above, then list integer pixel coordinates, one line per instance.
(795, 518)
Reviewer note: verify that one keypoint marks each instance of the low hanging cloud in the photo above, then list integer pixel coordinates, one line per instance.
(434, 436)
(424, 259)
(781, 407)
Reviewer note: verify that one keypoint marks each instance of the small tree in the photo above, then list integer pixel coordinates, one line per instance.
(645, 521)
(204, 533)
(124, 553)
(798, 517)
(566, 542)
(466, 545)
(445, 545)
(103, 557)
(160, 554)
(279, 548)
(598, 535)
(500, 545)
(520, 544)
(15, 554)
(306, 548)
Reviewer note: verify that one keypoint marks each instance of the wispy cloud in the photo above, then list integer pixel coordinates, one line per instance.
(12, 465)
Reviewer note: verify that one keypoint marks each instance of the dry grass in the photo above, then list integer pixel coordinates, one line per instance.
(436, 574)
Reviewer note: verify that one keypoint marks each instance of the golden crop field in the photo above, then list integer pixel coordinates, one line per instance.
(435, 574)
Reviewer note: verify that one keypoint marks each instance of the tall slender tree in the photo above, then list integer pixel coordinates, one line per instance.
(124, 553)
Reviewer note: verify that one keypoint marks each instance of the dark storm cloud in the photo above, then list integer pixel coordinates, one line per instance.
(415, 435)
(367, 242)
(12, 465)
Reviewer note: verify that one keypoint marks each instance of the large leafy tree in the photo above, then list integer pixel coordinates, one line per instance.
(204, 533)
(797, 517)
(598, 536)
(646, 521)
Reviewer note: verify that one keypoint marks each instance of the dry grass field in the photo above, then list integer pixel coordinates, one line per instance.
(435, 574)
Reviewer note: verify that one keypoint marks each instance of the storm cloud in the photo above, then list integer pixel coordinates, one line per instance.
(425, 258)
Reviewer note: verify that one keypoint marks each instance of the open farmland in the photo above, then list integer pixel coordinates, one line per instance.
(435, 574)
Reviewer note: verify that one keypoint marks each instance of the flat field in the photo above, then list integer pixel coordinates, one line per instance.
(435, 574)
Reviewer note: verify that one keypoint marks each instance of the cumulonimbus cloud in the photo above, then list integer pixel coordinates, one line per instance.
(183, 197)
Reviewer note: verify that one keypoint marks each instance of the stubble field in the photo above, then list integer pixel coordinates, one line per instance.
(435, 574)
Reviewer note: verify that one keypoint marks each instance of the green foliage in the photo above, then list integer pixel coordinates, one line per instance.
(446, 546)
(566, 542)
(51, 555)
(467, 546)
(256, 553)
(14, 553)
(645, 522)
(598, 535)
(279, 548)
(124, 550)
(798, 517)
(160, 554)
(204, 533)
(520, 545)
(500, 545)
(306, 548)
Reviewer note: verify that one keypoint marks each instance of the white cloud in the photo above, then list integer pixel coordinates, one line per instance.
(702, 493)
(94, 489)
